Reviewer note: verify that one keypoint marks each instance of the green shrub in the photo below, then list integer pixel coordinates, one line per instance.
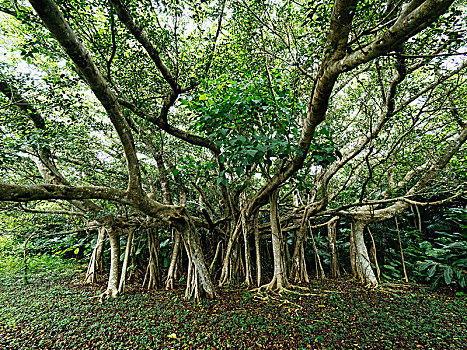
(446, 261)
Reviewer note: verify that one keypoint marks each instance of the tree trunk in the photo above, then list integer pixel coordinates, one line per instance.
(226, 276)
(298, 272)
(406, 279)
(192, 285)
(279, 281)
(248, 278)
(216, 255)
(234, 256)
(319, 266)
(257, 251)
(362, 266)
(171, 274)
(95, 263)
(112, 285)
(153, 272)
(353, 254)
(374, 255)
(129, 242)
(332, 238)
(199, 284)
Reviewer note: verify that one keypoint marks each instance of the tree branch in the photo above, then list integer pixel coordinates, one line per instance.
(143, 39)
(59, 27)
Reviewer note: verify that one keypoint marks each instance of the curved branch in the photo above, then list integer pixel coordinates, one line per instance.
(172, 130)
(61, 30)
(417, 16)
(143, 39)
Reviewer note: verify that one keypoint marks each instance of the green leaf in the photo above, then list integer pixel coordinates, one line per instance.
(76, 251)
(448, 275)
(432, 270)
(222, 180)
(462, 282)
(239, 170)
(424, 265)
(251, 152)
(425, 245)
(325, 131)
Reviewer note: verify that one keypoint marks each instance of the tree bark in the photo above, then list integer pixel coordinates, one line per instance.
(279, 281)
(216, 255)
(257, 250)
(95, 263)
(361, 261)
(226, 265)
(129, 242)
(332, 238)
(171, 274)
(153, 273)
(112, 284)
(200, 284)
(319, 267)
(248, 278)
(406, 279)
(298, 272)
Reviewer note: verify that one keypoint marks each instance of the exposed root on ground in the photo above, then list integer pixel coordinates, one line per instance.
(282, 290)
(110, 293)
(397, 285)
(264, 297)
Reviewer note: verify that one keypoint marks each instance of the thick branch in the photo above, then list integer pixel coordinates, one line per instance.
(434, 168)
(59, 27)
(174, 131)
(416, 16)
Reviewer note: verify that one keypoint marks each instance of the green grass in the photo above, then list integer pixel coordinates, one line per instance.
(40, 269)
(60, 313)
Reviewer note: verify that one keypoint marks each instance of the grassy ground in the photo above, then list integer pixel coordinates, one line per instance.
(62, 314)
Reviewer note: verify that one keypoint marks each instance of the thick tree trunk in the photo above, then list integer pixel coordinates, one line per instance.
(332, 238)
(319, 266)
(153, 272)
(226, 276)
(248, 278)
(129, 242)
(95, 263)
(298, 272)
(257, 251)
(171, 274)
(112, 285)
(362, 266)
(192, 285)
(199, 284)
(238, 269)
(279, 281)
(353, 254)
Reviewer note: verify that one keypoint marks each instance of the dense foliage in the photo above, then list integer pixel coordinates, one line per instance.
(239, 131)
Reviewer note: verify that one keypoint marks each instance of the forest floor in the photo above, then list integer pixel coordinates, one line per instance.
(64, 314)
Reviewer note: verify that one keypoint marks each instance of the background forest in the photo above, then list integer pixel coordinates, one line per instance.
(271, 146)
